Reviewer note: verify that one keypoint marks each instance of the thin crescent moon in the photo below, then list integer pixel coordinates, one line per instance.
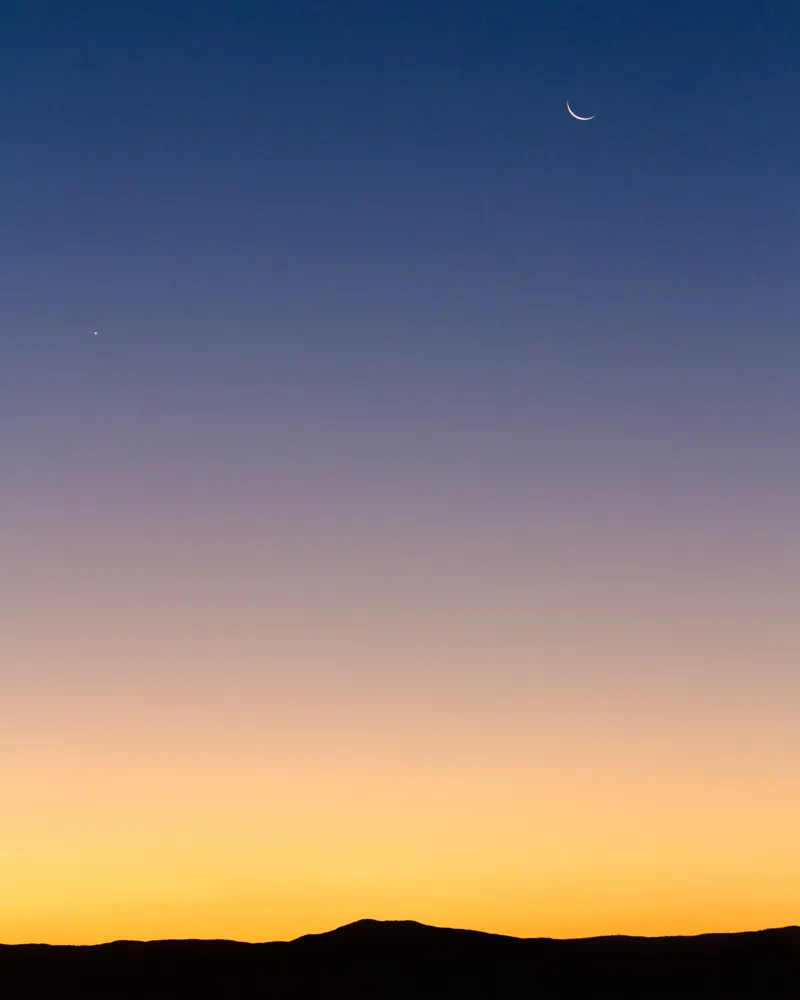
(578, 116)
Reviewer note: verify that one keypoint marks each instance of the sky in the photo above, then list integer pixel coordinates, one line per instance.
(418, 536)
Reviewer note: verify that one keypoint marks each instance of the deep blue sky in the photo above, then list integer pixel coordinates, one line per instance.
(379, 217)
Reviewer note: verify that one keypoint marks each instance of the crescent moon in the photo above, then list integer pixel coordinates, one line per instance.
(578, 116)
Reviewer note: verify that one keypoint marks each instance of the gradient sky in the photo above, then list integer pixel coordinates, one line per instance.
(420, 535)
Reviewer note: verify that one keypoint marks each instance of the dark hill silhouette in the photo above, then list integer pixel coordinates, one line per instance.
(378, 959)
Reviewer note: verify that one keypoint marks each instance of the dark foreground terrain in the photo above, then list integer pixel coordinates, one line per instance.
(406, 959)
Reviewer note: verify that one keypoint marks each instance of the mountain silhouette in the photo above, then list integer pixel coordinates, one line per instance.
(376, 959)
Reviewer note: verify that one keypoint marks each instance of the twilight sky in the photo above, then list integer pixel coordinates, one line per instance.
(420, 535)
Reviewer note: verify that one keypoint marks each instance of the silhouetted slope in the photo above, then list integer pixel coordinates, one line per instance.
(387, 959)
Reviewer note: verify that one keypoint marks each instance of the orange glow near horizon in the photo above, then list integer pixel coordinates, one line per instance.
(264, 812)
(540, 722)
